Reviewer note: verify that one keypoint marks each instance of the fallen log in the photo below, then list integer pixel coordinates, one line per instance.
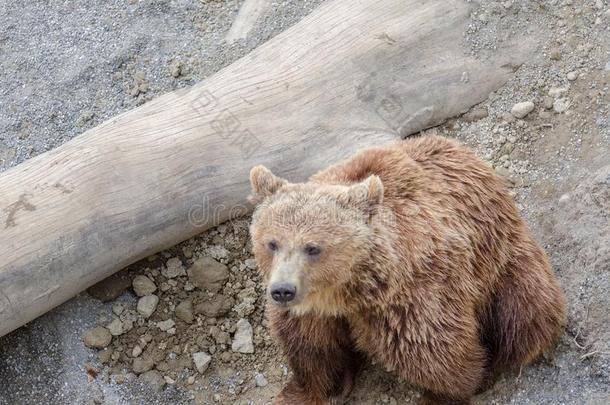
(351, 74)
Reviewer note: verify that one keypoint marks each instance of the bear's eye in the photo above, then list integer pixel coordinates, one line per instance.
(272, 246)
(312, 250)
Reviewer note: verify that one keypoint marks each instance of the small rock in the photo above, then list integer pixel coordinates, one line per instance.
(202, 361)
(143, 285)
(120, 378)
(572, 76)
(242, 340)
(169, 380)
(226, 357)
(104, 356)
(147, 305)
(607, 66)
(140, 84)
(475, 114)
(173, 268)
(191, 380)
(557, 92)
(555, 54)
(251, 263)
(115, 327)
(547, 102)
(154, 379)
(184, 311)
(118, 308)
(260, 380)
(137, 351)
(142, 364)
(247, 304)
(97, 338)
(561, 105)
(175, 68)
(166, 325)
(220, 337)
(206, 273)
(110, 288)
(84, 117)
(215, 306)
(520, 110)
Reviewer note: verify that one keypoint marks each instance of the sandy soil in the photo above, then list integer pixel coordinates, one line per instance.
(68, 66)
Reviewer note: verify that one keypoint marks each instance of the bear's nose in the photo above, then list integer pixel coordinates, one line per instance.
(283, 292)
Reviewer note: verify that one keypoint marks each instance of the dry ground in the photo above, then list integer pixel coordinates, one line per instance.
(67, 66)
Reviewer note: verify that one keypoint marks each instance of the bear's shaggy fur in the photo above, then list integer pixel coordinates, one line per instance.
(410, 255)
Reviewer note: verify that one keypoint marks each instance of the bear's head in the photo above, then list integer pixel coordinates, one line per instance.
(308, 238)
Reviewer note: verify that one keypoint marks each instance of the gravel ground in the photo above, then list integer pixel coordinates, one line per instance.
(68, 66)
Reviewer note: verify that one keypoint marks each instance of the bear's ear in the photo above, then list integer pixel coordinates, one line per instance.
(364, 195)
(264, 184)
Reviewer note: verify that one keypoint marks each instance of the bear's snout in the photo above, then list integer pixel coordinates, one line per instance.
(283, 292)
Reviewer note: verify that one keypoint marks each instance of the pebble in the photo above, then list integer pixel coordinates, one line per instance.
(118, 308)
(166, 325)
(84, 117)
(97, 338)
(202, 361)
(213, 307)
(120, 378)
(206, 273)
(142, 364)
(561, 105)
(572, 76)
(137, 351)
(173, 268)
(140, 84)
(147, 305)
(104, 356)
(520, 110)
(191, 380)
(175, 68)
(251, 263)
(143, 286)
(555, 54)
(547, 102)
(115, 327)
(184, 311)
(557, 92)
(153, 379)
(260, 380)
(242, 340)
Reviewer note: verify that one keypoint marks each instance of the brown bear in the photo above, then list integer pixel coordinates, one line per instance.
(410, 255)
